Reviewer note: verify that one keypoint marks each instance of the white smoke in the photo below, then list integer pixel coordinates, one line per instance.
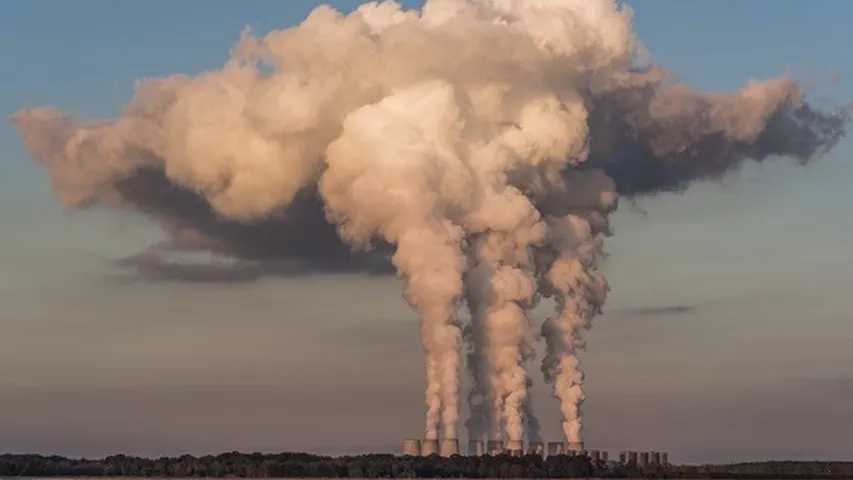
(483, 140)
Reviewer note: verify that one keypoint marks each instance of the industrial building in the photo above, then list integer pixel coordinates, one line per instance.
(556, 448)
(536, 448)
(476, 448)
(495, 447)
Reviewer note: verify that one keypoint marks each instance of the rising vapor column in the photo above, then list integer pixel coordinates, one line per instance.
(382, 178)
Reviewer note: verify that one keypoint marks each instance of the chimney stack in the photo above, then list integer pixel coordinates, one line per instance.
(575, 448)
(515, 448)
(412, 447)
(655, 458)
(429, 447)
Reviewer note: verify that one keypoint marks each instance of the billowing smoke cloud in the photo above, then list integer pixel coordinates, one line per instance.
(478, 144)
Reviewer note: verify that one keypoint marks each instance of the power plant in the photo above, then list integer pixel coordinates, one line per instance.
(477, 448)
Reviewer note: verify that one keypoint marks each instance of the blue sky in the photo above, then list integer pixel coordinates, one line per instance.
(755, 366)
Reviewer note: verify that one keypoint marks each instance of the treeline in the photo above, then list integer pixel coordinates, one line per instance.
(768, 470)
(292, 465)
(303, 465)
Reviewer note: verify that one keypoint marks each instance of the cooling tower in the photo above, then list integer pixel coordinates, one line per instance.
(654, 458)
(575, 448)
(623, 457)
(411, 447)
(664, 459)
(595, 455)
(476, 448)
(495, 447)
(556, 448)
(429, 447)
(605, 456)
(515, 448)
(449, 447)
(536, 448)
(644, 459)
(632, 458)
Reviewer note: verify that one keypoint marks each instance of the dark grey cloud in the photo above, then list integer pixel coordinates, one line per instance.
(155, 265)
(662, 138)
(647, 134)
(640, 151)
(298, 240)
(152, 266)
(658, 311)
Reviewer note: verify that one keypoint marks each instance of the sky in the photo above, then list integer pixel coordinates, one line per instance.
(728, 334)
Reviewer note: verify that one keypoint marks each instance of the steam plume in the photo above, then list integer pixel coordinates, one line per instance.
(480, 143)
